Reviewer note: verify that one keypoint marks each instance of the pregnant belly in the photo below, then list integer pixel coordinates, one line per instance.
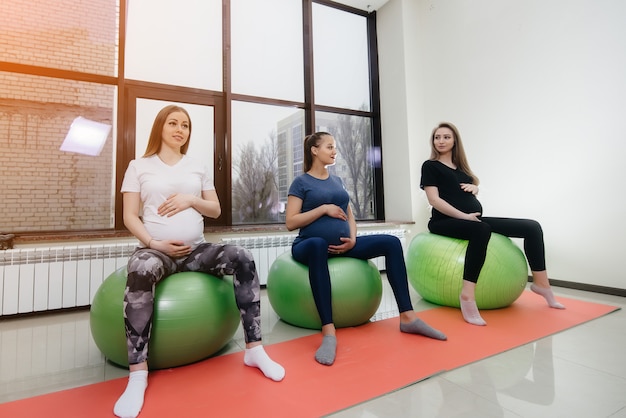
(331, 229)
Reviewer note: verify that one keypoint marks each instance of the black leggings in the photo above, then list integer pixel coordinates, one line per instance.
(479, 233)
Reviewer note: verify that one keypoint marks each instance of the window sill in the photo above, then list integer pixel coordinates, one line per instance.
(61, 237)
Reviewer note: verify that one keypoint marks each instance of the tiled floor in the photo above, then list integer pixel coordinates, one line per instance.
(577, 373)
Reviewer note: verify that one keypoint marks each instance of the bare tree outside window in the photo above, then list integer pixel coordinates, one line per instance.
(354, 165)
(255, 190)
(265, 165)
(354, 144)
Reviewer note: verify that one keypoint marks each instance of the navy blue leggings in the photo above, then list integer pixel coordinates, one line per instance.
(479, 233)
(313, 252)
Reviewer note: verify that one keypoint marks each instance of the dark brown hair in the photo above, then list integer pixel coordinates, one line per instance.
(311, 141)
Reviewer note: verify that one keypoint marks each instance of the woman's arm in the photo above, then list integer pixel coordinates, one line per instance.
(352, 223)
(432, 193)
(470, 188)
(295, 219)
(132, 203)
(207, 205)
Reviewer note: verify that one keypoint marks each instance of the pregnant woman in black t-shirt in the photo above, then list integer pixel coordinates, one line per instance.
(451, 188)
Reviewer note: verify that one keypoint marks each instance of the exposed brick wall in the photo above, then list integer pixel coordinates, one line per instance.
(42, 188)
(74, 35)
(47, 189)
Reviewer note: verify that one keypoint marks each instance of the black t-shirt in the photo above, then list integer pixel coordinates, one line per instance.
(448, 181)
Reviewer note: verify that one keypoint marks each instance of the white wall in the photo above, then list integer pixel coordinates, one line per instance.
(538, 91)
(402, 108)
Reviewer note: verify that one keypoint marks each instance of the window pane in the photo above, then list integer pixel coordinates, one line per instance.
(340, 53)
(175, 43)
(70, 35)
(43, 188)
(356, 158)
(264, 141)
(267, 49)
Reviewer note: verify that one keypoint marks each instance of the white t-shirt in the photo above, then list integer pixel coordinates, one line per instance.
(156, 181)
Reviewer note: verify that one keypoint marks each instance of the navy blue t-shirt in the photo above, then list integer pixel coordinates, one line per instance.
(315, 192)
(448, 182)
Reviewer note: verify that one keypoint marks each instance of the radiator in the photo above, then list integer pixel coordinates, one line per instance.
(49, 278)
(266, 248)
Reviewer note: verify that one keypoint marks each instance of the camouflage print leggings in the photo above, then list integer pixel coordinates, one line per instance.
(146, 267)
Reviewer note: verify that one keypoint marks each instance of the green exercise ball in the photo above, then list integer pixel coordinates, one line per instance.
(435, 269)
(195, 315)
(356, 291)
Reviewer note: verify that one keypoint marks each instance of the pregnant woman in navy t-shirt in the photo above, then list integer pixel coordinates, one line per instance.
(319, 206)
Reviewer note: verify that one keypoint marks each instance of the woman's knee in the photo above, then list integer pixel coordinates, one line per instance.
(535, 227)
(145, 262)
(390, 242)
(233, 259)
(310, 248)
(480, 232)
(238, 254)
(394, 242)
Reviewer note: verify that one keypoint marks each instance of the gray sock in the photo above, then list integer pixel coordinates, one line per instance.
(326, 353)
(420, 327)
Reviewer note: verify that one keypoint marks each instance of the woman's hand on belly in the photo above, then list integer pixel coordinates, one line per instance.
(347, 244)
(475, 216)
(335, 211)
(173, 248)
(175, 203)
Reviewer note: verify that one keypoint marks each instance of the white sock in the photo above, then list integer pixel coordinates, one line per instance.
(257, 357)
(470, 312)
(130, 403)
(548, 296)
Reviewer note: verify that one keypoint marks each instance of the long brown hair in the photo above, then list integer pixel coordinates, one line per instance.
(156, 134)
(310, 141)
(458, 152)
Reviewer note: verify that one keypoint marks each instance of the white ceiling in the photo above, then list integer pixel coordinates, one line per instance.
(367, 5)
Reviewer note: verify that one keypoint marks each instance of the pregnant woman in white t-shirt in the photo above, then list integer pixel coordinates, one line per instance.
(175, 192)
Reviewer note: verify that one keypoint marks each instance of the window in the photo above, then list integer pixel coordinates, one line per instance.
(262, 157)
(268, 66)
(44, 188)
(178, 44)
(257, 77)
(341, 58)
(266, 38)
(81, 36)
(59, 63)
